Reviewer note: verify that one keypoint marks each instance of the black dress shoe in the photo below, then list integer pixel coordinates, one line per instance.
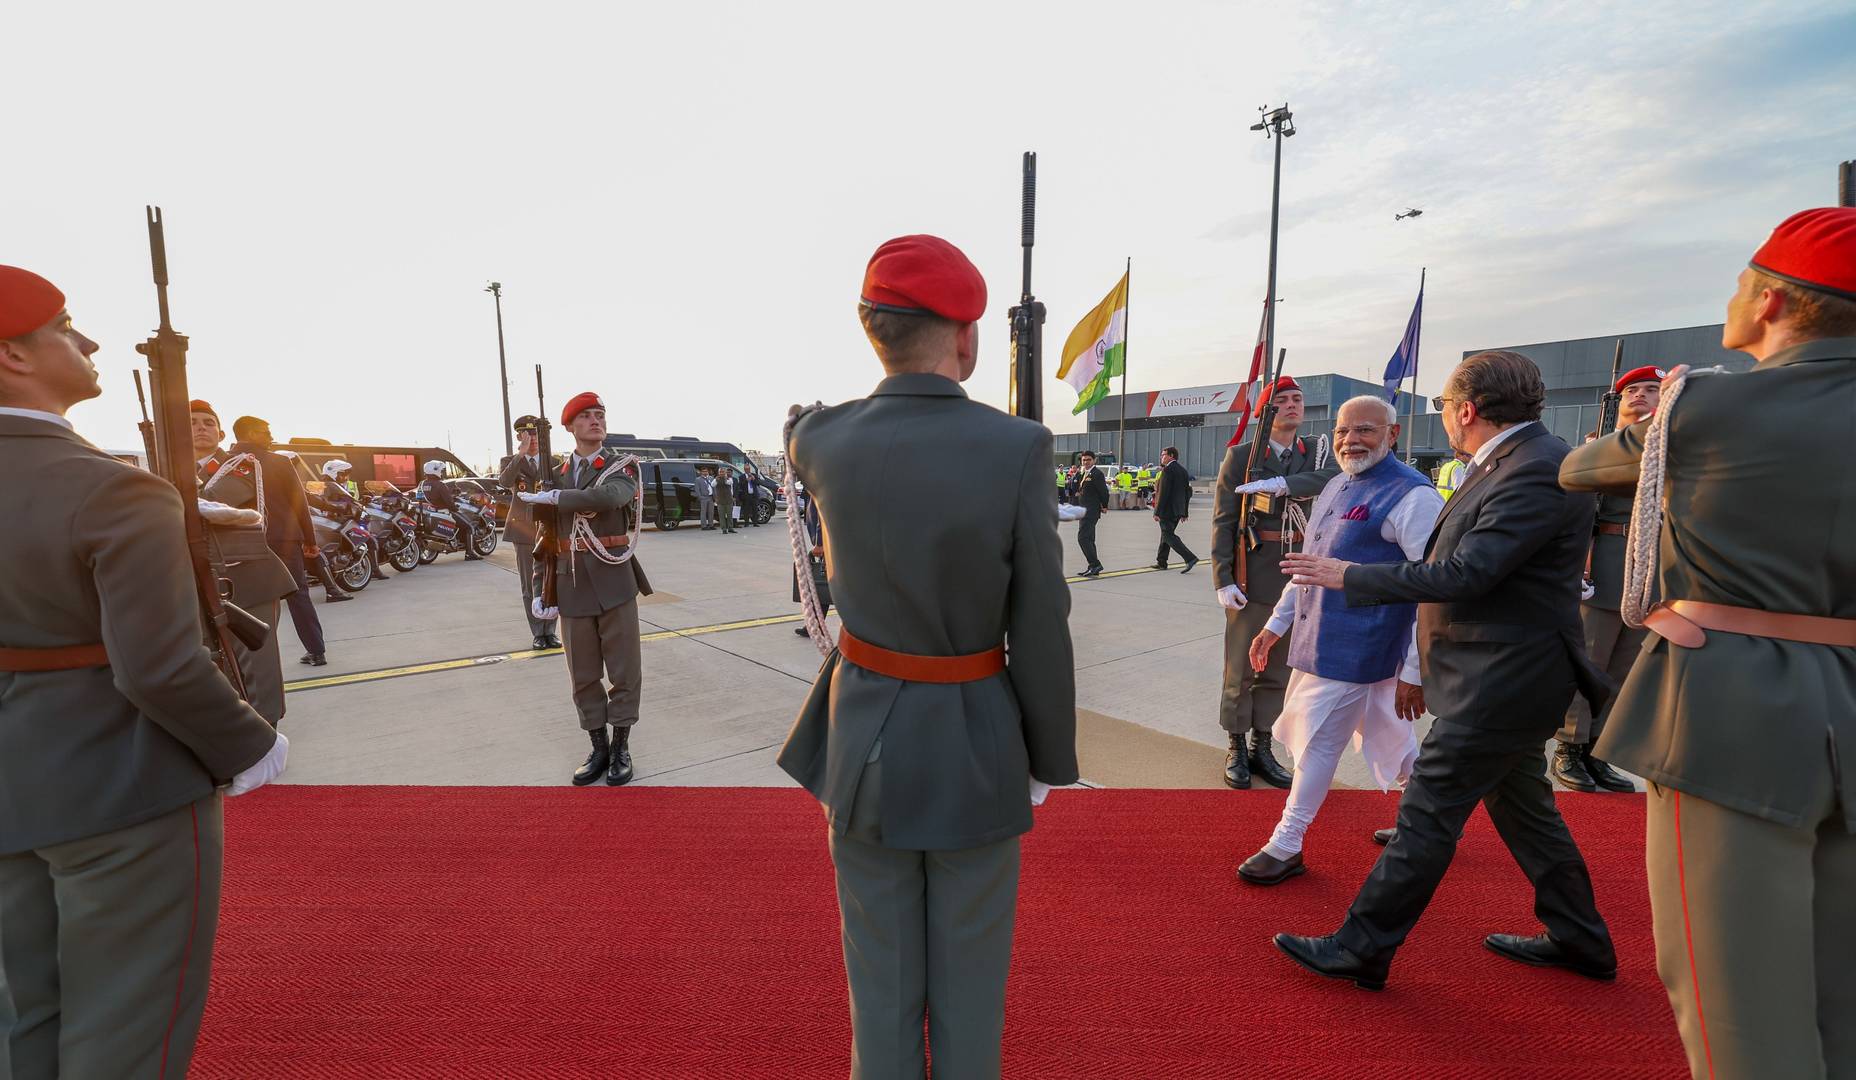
(1543, 951)
(1568, 767)
(1382, 837)
(1266, 869)
(553, 642)
(1606, 777)
(1263, 762)
(540, 643)
(1159, 566)
(802, 631)
(1088, 572)
(1326, 956)
(1237, 764)
(1189, 565)
(595, 764)
(314, 659)
(619, 770)
(337, 597)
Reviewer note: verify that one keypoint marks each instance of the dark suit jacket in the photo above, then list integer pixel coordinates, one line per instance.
(1173, 493)
(286, 508)
(937, 562)
(1746, 722)
(1092, 492)
(1499, 638)
(92, 750)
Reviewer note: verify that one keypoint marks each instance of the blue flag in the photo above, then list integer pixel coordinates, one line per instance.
(1404, 362)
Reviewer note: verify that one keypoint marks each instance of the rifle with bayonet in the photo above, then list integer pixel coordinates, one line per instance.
(1027, 389)
(546, 520)
(1608, 405)
(1248, 505)
(171, 456)
(147, 426)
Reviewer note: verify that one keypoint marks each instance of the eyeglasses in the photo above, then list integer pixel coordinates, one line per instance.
(1440, 401)
(1364, 431)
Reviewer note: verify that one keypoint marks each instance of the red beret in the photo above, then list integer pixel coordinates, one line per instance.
(1270, 390)
(578, 404)
(196, 405)
(1813, 248)
(27, 301)
(925, 273)
(1647, 373)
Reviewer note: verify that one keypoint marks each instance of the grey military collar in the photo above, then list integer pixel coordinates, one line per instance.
(1836, 348)
(918, 384)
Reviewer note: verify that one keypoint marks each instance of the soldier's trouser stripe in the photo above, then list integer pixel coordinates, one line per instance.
(1694, 974)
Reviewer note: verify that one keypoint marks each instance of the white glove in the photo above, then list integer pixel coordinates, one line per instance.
(1586, 590)
(1070, 512)
(546, 613)
(268, 768)
(1231, 598)
(1039, 791)
(1272, 485)
(550, 497)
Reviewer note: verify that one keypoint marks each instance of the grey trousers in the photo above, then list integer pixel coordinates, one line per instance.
(707, 504)
(1755, 928)
(925, 932)
(600, 649)
(1252, 701)
(525, 569)
(106, 945)
(1613, 647)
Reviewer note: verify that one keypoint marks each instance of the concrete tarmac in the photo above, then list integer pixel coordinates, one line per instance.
(431, 679)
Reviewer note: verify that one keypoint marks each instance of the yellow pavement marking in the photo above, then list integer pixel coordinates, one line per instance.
(532, 654)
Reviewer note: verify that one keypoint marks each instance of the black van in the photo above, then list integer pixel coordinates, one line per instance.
(670, 492)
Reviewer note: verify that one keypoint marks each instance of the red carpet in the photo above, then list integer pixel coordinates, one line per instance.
(692, 933)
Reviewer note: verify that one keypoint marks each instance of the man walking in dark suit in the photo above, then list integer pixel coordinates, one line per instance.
(1172, 503)
(1092, 495)
(523, 471)
(1501, 653)
(116, 733)
(287, 528)
(925, 746)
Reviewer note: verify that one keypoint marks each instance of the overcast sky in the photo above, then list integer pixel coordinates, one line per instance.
(679, 199)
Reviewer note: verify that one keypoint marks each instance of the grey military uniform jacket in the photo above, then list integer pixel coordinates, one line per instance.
(98, 554)
(1747, 722)
(520, 473)
(940, 527)
(585, 585)
(1607, 557)
(1305, 482)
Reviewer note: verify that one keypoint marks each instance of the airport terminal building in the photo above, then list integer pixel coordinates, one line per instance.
(1200, 420)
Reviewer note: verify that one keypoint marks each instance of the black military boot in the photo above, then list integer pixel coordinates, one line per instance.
(595, 763)
(619, 771)
(1569, 767)
(1263, 761)
(1604, 775)
(1237, 764)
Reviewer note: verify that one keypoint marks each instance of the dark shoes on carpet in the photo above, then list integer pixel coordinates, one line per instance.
(1382, 837)
(1266, 869)
(1328, 957)
(1575, 767)
(1543, 951)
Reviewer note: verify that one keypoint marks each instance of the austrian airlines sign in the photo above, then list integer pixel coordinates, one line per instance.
(1223, 398)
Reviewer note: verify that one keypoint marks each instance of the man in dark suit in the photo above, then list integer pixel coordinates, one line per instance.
(1172, 503)
(1501, 653)
(522, 471)
(287, 529)
(1092, 494)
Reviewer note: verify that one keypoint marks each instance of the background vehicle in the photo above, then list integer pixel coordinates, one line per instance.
(400, 466)
(670, 492)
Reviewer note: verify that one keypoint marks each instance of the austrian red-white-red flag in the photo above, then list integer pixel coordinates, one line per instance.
(1248, 392)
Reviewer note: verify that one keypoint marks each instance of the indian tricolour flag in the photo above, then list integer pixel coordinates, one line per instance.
(1096, 352)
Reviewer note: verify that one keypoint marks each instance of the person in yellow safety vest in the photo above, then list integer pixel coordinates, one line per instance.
(1450, 477)
(1124, 479)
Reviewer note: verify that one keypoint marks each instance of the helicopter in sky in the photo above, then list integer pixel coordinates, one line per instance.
(1410, 211)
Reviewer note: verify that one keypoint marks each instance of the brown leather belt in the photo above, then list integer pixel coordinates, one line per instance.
(924, 669)
(1606, 528)
(1681, 622)
(65, 658)
(610, 543)
(1272, 536)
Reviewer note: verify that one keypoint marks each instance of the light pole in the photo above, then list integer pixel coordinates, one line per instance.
(1282, 124)
(495, 289)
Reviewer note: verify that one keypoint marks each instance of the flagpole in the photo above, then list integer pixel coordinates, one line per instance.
(1411, 410)
(1127, 301)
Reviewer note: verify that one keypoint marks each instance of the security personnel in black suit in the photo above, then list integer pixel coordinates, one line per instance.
(520, 472)
(1092, 495)
(1172, 504)
(1501, 653)
(288, 530)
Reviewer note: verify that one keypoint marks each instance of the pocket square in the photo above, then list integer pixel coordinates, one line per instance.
(1357, 513)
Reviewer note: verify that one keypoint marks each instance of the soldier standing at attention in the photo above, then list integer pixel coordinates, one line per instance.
(597, 596)
(523, 471)
(1741, 710)
(1253, 699)
(923, 744)
(116, 731)
(1613, 645)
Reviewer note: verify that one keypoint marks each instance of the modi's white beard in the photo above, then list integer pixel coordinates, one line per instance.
(1354, 466)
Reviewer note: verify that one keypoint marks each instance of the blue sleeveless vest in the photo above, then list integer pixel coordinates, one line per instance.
(1330, 639)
